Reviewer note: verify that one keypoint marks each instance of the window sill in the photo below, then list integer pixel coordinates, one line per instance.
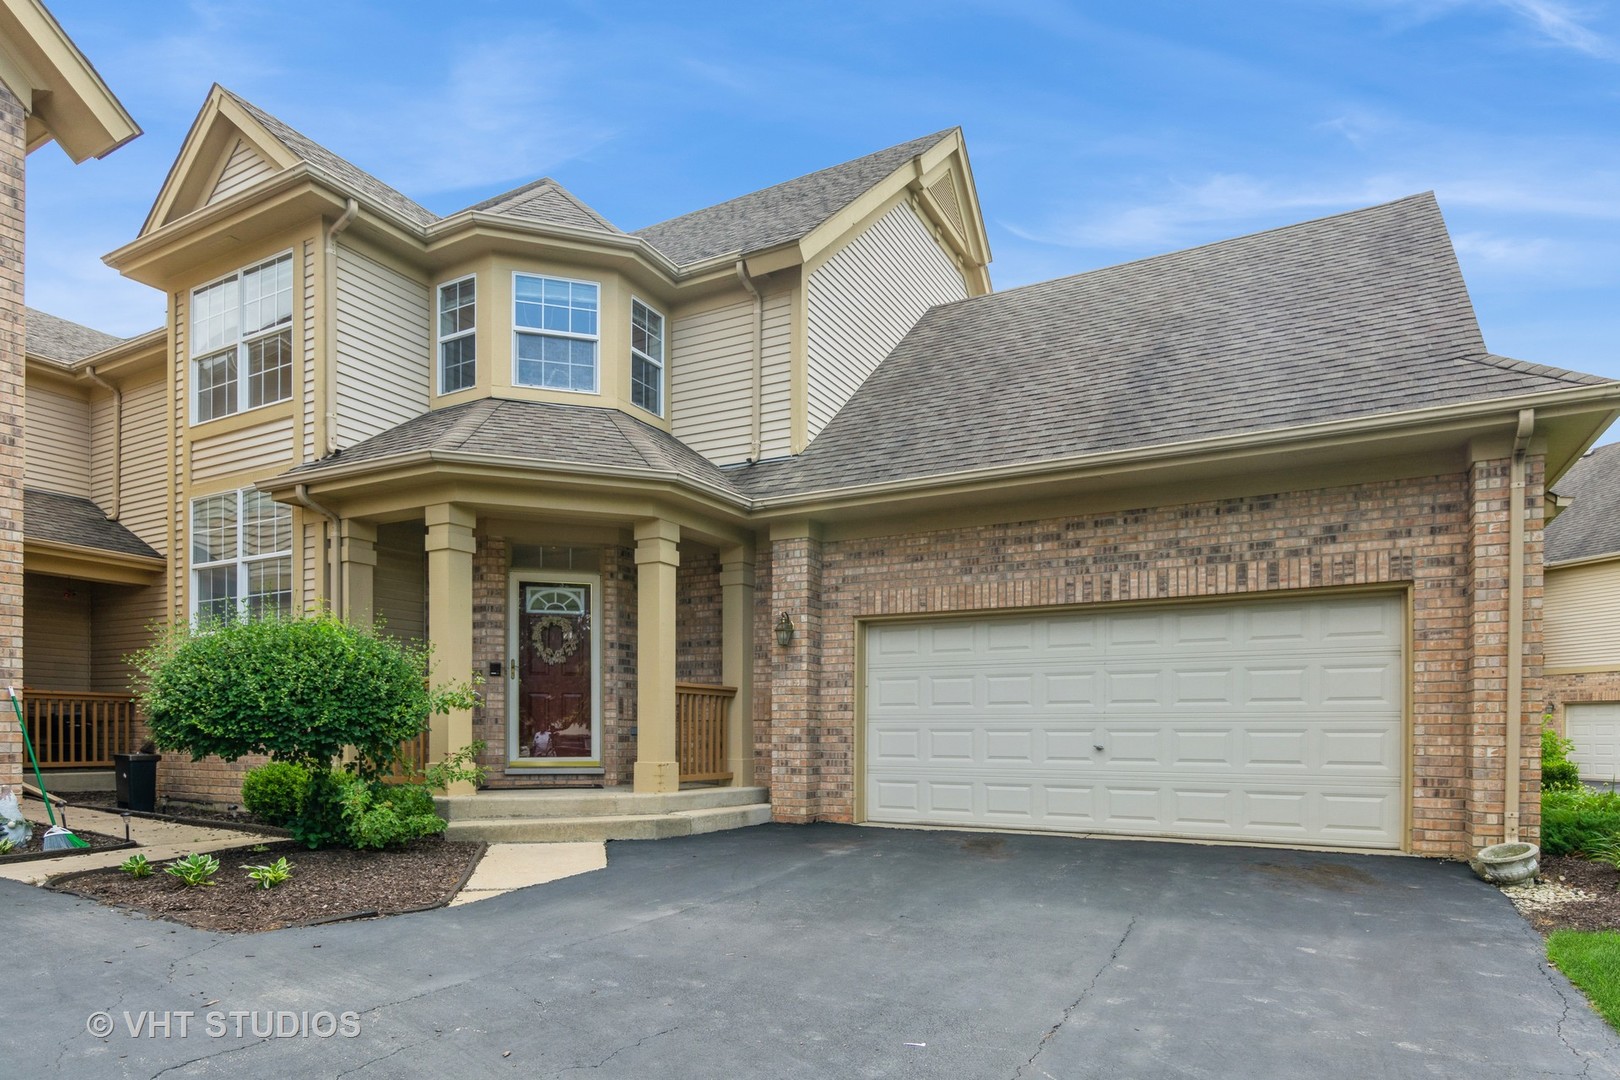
(244, 418)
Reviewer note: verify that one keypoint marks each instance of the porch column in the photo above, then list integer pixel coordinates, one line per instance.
(657, 557)
(449, 548)
(737, 658)
(357, 547)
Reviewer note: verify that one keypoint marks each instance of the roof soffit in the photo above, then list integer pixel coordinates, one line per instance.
(65, 97)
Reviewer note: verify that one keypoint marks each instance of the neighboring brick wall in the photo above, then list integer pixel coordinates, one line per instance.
(698, 625)
(1578, 688)
(13, 163)
(210, 780)
(1446, 536)
(764, 655)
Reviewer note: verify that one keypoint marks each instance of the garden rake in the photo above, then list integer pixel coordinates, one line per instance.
(57, 837)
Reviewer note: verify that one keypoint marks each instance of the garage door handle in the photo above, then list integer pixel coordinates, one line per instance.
(1097, 747)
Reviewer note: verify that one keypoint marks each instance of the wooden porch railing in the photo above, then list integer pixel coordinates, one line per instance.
(71, 729)
(411, 761)
(700, 730)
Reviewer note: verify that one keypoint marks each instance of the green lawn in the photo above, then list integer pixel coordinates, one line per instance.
(1592, 962)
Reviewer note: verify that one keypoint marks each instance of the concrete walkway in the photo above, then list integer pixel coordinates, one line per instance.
(503, 868)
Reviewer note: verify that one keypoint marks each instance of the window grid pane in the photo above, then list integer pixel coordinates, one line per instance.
(229, 319)
(269, 369)
(458, 350)
(646, 384)
(646, 357)
(245, 537)
(556, 332)
(458, 360)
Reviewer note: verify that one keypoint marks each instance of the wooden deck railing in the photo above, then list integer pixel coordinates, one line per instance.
(71, 729)
(411, 761)
(700, 730)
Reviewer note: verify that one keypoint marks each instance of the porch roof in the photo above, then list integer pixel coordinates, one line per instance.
(535, 434)
(49, 517)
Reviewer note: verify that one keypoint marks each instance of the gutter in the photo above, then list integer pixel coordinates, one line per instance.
(329, 336)
(118, 438)
(1515, 640)
(757, 366)
(333, 570)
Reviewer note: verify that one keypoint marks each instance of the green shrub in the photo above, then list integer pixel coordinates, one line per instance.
(383, 815)
(1558, 773)
(319, 822)
(273, 791)
(1574, 820)
(299, 690)
(195, 869)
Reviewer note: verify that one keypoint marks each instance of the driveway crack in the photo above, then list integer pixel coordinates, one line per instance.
(620, 1050)
(1076, 1003)
(1563, 1017)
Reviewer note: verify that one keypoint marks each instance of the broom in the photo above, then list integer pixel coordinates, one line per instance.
(57, 837)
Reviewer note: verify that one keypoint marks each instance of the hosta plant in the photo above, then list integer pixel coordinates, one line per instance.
(195, 869)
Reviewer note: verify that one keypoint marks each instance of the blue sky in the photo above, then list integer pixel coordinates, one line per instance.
(1099, 132)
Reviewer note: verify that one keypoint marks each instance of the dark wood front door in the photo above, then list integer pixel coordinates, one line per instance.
(555, 673)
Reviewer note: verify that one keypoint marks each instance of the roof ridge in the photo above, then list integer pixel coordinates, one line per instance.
(1508, 363)
(638, 439)
(463, 428)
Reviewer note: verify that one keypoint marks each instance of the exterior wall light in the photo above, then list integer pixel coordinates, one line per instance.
(784, 630)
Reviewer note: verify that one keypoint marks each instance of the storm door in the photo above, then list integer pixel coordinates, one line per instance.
(555, 722)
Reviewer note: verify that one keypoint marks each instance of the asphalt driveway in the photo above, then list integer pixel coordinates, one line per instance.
(833, 952)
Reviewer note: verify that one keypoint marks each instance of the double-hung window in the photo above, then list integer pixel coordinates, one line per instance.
(556, 329)
(646, 357)
(458, 340)
(241, 340)
(241, 556)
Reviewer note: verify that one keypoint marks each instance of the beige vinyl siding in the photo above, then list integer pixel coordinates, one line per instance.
(179, 417)
(944, 192)
(142, 455)
(383, 349)
(123, 618)
(250, 452)
(1581, 616)
(56, 447)
(310, 369)
(776, 391)
(399, 583)
(56, 634)
(243, 169)
(864, 299)
(711, 382)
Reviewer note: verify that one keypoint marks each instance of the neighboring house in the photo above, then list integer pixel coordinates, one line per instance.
(1582, 613)
(1220, 544)
(48, 92)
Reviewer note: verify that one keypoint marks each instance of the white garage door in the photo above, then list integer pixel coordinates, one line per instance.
(1595, 731)
(1268, 721)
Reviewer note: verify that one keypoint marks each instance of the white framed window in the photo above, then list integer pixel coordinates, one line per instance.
(556, 330)
(646, 357)
(241, 556)
(241, 340)
(458, 340)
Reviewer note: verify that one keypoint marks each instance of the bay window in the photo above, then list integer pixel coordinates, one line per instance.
(556, 333)
(646, 357)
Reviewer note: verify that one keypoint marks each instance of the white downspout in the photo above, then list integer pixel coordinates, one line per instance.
(1515, 642)
(118, 439)
(329, 302)
(333, 570)
(758, 362)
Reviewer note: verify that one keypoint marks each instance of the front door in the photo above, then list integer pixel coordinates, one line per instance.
(554, 723)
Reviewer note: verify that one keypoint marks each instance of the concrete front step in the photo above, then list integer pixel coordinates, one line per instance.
(645, 826)
(582, 803)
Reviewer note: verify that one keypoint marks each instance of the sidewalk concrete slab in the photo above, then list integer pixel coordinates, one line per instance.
(515, 866)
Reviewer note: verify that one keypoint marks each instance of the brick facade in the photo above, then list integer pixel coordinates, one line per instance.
(13, 165)
(1443, 538)
(1578, 688)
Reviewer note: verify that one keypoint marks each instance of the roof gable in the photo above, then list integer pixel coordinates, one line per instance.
(548, 202)
(781, 213)
(234, 144)
(1354, 315)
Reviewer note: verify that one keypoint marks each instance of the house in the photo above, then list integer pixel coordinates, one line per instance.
(1582, 645)
(1236, 543)
(48, 92)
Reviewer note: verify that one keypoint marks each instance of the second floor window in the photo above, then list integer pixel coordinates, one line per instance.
(646, 357)
(241, 556)
(458, 340)
(241, 340)
(556, 329)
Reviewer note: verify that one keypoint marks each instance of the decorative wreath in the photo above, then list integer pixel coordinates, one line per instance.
(571, 638)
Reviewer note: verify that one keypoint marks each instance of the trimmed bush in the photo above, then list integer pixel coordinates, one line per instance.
(347, 811)
(273, 791)
(1558, 773)
(1574, 820)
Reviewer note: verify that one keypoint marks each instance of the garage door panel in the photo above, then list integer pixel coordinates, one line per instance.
(1594, 728)
(1271, 721)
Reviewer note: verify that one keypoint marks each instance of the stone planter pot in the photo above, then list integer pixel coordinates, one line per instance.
(1507, 864)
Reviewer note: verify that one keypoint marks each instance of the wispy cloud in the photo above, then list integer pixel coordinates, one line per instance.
(1563, 24)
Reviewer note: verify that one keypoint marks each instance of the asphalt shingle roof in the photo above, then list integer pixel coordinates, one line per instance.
(51, 517)
(538, 434)
(53, 338)
(778, 214)
(1353, 315)
(1590, 527)
(547, 201)
(356, 178)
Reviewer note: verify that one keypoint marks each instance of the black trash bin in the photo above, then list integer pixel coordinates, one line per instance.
(135, 781)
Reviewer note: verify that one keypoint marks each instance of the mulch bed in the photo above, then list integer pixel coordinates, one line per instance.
(1599, 880)
(326, 886)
